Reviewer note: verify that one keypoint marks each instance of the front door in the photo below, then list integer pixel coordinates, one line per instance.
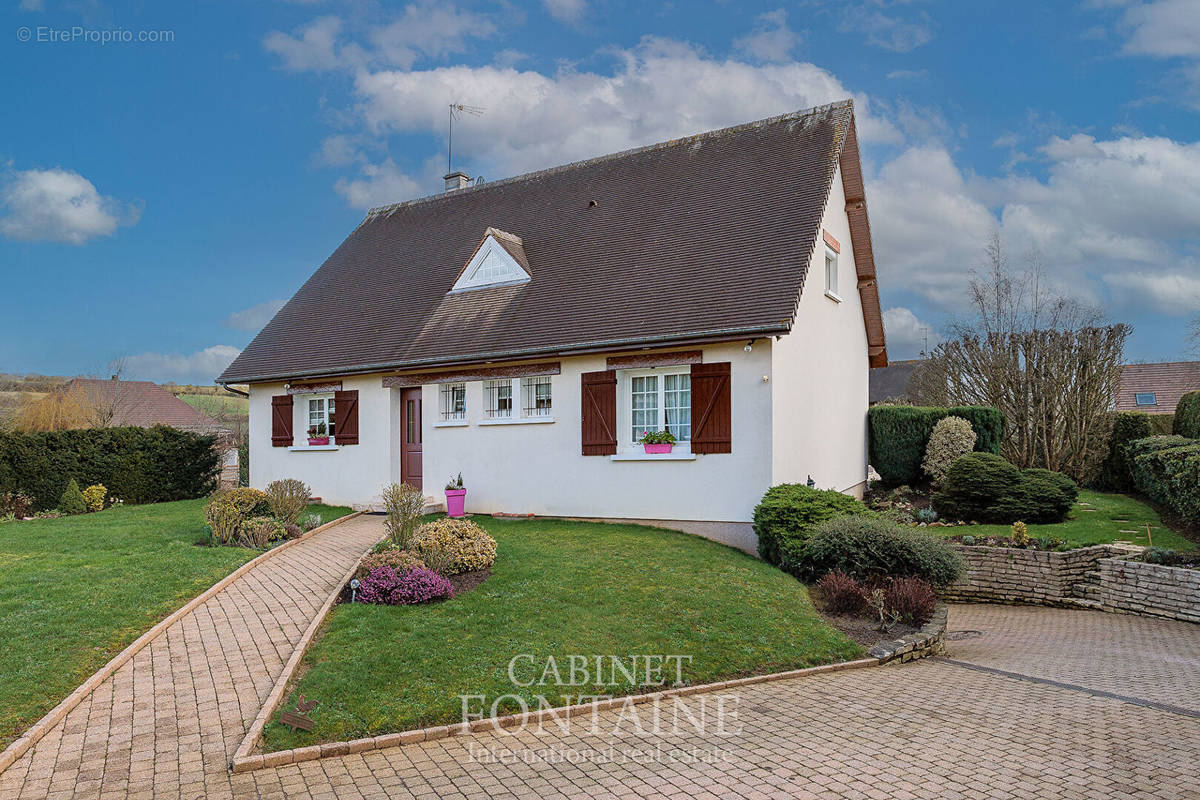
(410, 436)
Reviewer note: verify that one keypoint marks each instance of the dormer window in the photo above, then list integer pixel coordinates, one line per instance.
(498, 261)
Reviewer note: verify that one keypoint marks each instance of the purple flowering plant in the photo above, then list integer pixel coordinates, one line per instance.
(387, 586)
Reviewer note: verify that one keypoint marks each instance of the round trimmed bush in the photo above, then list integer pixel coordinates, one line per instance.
(386, 586)
(973, 484)
(454, 546)
(788, 510)
(398, 560)
(1042, 497)
(952, 438)
(868, 547)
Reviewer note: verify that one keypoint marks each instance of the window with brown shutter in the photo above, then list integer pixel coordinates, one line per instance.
(599, 413)
(345, 413)
(711, 408)
(281, 420)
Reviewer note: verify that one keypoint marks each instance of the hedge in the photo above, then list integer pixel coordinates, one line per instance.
(1167, 469)
(137, 465)
(788, 510)
(899, 434)
(1187, 416)
(1127, 426)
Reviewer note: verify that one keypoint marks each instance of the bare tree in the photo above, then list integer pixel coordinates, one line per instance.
(1040, 357)
(1193, 336)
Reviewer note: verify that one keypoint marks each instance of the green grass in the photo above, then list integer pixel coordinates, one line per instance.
(216, 404)
(1113, 514)
(558, 588)
(76, 591)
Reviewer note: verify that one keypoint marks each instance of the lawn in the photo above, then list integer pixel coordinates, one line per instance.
(75, 591)
(558, 589)
(1097, 518)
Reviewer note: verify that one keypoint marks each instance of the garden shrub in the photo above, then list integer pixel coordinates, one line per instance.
(1127, 426)
(94, 497)
(900, 434)
(247, 501)
(287, 499)
(453, 546)
(788, 510)
(72, 501)
(387, 586)
(293, 530)
(867, 547)
(403, 504)
(972, 484)
(1187, 416)
(951, 439)
(311, 522)
(398, 560)
(1161, 424)
(910, 599)
(223, 520)
(842, 594)
(15, 504)
(228, 513)
(1042, 497)
(1167, 470)
(258, 532)
(138, 465)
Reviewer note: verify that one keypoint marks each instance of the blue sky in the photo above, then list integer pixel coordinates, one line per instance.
(160, 199)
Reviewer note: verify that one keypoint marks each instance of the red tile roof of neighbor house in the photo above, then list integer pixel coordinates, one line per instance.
(703, 238)
(141, 404)
(1168, 382)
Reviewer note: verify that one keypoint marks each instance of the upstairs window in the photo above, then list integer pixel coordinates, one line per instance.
(1145, 399)
(831, 271)
(453, 401)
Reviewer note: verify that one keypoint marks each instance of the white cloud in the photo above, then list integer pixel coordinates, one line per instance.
(379, 185)
(202, 366)
(906, 334)
(888, 31)
(1173, 293)
(313, 48)
(338, 150)
(569, 11)
(431, 30)
(255, 317)
(59, 205)
(771, 40)
(1164, 29)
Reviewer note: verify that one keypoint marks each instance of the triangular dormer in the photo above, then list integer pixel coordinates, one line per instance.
(498, 261)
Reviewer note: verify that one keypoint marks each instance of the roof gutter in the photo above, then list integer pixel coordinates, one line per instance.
(722, 334)
(236, 392)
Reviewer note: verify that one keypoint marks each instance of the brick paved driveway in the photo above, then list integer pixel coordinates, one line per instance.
(166, 725)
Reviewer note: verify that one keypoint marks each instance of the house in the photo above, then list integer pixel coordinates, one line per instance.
(1156, 388)
(890, 383)
(99, 403)
(526, 332)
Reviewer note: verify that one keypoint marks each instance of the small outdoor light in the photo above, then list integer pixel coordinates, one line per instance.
(353, 588)
(811, 483)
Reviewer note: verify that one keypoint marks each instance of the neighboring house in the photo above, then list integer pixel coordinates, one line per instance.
(890, 384)
(525, 332)
(1156, 388)
(98, 403)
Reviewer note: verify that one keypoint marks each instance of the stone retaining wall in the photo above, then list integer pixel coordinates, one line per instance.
(929, 641)
(1150, 589)
(1009, 575)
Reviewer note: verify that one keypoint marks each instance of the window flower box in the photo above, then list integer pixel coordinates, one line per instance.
(657, 449)
(657, 442)
(316, 441)
(318, 435)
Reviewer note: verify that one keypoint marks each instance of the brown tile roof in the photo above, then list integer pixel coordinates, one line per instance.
(704, 237)
(1168, 382)
(140, 404)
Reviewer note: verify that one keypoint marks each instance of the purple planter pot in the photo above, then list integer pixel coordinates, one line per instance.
(456, 501)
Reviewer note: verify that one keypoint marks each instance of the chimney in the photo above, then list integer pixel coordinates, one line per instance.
(457, 180)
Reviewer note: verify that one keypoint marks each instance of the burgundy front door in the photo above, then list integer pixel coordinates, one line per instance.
(410, 436)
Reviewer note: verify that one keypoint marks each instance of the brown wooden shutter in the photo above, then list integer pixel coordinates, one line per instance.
(599, 409)
(345, 414)
(281, 420)
(711, 408)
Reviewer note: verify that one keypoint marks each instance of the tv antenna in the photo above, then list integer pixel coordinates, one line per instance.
(456, 112)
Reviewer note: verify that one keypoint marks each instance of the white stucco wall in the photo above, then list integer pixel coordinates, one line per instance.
(820, 374)
(534, 468)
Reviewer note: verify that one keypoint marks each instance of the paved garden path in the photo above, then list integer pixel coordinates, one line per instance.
(1043, 703)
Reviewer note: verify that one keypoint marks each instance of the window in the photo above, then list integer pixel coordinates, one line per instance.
(535, 397)
(320, 415)
(453, 401)
(498, 399)
(831, 271)
(492, 265)
(660, 402)
(1145, 399)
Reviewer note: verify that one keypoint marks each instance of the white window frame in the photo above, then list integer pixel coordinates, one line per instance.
(1152, 395)
(831, 274)
(627, 442)
(490, 253)
(517, 414)
(301, 417)
(447, 413)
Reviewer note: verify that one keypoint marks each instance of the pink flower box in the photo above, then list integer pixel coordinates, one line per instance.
(314, 441)
(456, 502)
(657, 449)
